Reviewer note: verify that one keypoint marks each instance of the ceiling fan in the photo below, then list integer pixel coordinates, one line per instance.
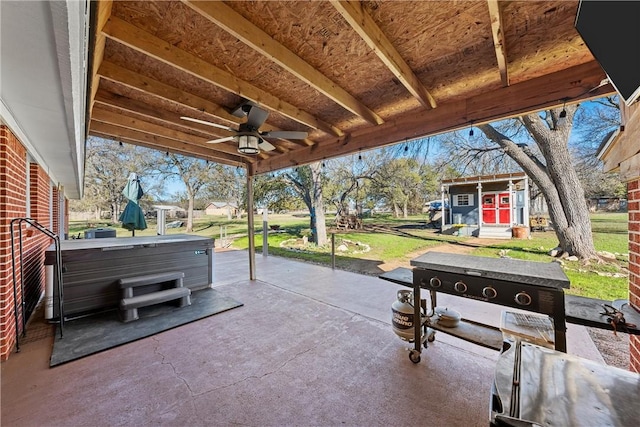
(248, 136)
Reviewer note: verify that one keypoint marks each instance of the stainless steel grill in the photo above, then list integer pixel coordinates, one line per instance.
(536, 386)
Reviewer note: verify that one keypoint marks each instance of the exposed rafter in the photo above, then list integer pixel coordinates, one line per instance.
(133, 80)
(148, 44)
(140, 108)
(103, 11)
(498, 39)
(235, 24)
(120, 133)
(362, 23)
(126, 121)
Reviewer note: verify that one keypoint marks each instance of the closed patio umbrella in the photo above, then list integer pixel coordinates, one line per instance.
(132, 217)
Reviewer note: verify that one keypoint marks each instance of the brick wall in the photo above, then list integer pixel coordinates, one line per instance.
(633, 190)
(36, 243)
(13, 176)
(13, 204)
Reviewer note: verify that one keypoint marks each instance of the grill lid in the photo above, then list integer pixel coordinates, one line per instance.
(548, 274)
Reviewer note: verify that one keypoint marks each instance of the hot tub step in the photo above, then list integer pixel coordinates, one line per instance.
(129, 303)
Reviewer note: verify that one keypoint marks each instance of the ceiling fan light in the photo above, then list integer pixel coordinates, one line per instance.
(248, 144)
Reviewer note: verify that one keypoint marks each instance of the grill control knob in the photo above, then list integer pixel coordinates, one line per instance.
(435, 282)
(460, 287)
(489, 292)
(523, 298)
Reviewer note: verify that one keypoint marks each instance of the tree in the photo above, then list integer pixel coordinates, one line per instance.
(307, 182)
(595, 124)
(107, 167)
(195, 175)
(553, 173)
(345, 181)
(273, 192)
(399, 181)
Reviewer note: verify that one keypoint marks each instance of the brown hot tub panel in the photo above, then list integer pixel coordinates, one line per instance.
(91, 268)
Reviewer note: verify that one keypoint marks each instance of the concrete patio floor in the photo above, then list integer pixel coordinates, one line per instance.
(311, 346)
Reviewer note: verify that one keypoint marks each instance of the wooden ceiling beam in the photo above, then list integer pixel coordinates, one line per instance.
(133, 106)
(576, 84)
(235, 24)
(159, 143)
(150, 45)
(128, 122)
(163, 149)
(138, 82)
(103, 11)
(497, 26)
(354, 13)
(141, 108)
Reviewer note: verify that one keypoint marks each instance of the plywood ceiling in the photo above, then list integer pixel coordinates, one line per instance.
(354, 75)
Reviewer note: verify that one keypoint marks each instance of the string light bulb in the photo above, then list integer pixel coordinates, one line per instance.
(562, 117)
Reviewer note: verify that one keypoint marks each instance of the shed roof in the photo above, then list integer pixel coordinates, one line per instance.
(516, 176)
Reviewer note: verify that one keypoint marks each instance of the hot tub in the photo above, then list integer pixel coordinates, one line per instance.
(91, 268)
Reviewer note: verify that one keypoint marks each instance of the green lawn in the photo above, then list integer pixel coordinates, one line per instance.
(398, 240)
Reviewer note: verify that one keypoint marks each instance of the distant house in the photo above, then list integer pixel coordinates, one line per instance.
(609, 204)
(230, 209)
(488, 205)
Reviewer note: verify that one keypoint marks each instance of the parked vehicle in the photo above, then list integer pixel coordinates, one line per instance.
(437, 205)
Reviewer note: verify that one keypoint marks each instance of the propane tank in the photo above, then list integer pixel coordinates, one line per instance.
(402, 315)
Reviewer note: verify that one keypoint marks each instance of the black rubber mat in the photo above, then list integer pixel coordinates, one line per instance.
(99, 332)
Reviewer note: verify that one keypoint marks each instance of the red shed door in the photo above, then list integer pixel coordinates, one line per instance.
(504, 208)
(489, 208)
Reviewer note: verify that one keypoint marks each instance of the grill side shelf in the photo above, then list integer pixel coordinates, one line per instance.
(401, 276)
(588, 312)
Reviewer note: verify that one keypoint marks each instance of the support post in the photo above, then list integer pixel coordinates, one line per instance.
(333, 251)
(250, 227)
(265, 233)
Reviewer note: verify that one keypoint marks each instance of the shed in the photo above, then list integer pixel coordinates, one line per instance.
(487, 206)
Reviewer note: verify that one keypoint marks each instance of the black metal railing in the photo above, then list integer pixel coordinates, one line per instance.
(19, 306)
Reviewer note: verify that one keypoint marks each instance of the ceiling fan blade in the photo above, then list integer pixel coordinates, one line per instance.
(265, 146)
(225, 139)
(256, 117)
(204, 122)
(285, 134)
